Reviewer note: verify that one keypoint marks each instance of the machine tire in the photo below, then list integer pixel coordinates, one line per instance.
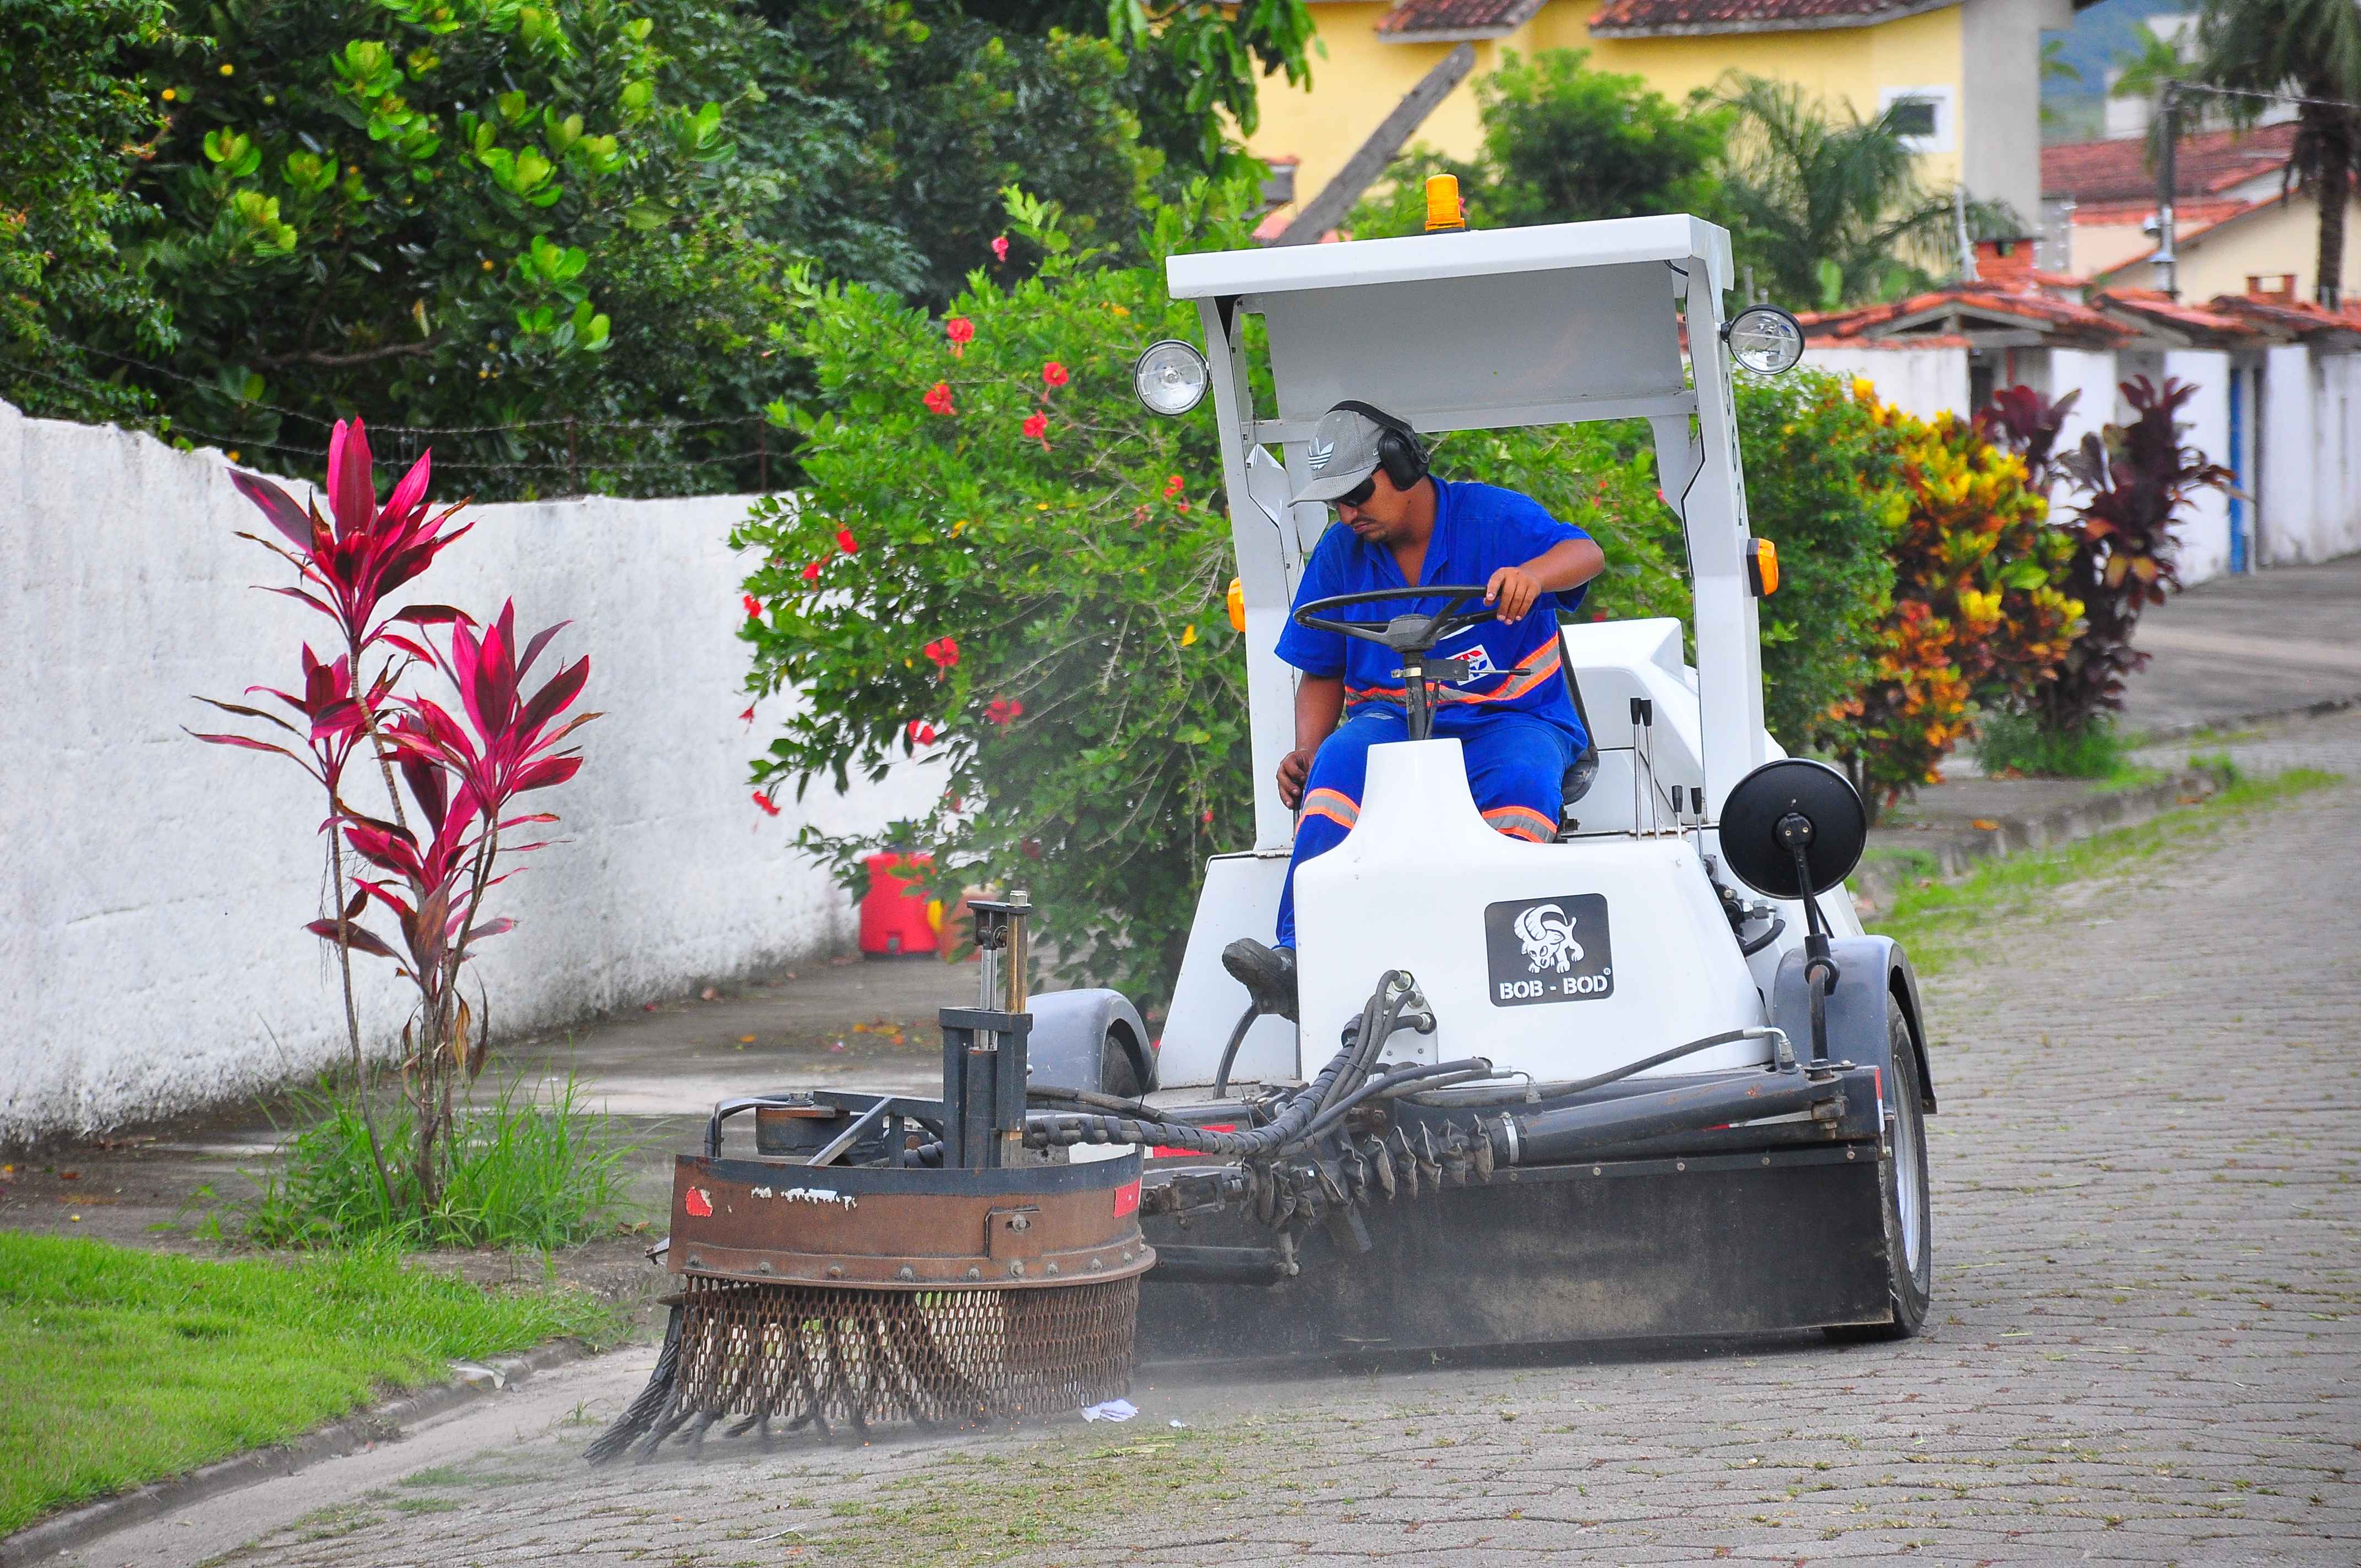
(1118, 1075)
(1910, 1281)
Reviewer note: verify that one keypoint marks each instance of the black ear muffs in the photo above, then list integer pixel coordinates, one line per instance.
(1399, 451)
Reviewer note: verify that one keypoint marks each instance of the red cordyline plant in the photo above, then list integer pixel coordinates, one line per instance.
(463, 772)
(2135, 480)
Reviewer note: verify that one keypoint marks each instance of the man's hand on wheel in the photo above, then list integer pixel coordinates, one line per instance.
(1293, 769)
(1514, 590)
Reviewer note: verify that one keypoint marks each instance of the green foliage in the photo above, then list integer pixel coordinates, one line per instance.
(1831, 212)
(2008, 742)
(466, 213)
(1820, 477)
(1980, 615)
(2311, 48)
(521, 1174)
(72, 127)
(998, 544)
(892, 127)
(123, 1367)
(1562, 144)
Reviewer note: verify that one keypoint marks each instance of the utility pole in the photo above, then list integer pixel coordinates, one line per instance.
(1967, 247)
(2167, 279)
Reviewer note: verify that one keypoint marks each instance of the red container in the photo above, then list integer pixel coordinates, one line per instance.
(893, 916)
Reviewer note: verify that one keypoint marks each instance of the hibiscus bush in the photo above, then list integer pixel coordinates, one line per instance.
(1980, 613)
(1001, 565)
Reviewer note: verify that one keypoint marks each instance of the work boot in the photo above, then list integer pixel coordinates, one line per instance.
(1268, 973)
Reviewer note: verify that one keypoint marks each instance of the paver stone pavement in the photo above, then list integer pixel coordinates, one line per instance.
(2143, 1349)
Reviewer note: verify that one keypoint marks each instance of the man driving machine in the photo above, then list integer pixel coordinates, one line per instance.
(1515, 723)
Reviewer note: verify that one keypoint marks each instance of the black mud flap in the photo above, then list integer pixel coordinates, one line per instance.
(1725, 1244)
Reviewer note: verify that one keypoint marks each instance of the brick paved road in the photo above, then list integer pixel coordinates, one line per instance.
(2144, 1346)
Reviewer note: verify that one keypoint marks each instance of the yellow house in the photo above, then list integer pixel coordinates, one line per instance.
(1968, 70)
(2237, 229)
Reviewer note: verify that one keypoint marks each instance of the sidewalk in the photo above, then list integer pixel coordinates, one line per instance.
(2266, 642)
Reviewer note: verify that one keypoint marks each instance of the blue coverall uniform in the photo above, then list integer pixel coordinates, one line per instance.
(1518, 732)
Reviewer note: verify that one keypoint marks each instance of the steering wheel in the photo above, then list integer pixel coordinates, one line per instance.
(1411, 636)
(1403, 633)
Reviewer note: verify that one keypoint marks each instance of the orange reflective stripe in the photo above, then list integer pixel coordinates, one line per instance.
(1336, 806)
(1543, 670)
(1521, 822)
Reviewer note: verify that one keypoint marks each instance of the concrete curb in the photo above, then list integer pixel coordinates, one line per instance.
(1956, 851)
(2320, 709)
(333, 1441)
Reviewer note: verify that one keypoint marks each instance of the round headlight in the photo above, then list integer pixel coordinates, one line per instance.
(1765, 339)
(1169, 376)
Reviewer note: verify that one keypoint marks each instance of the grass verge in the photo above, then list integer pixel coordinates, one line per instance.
(521, 1173)
(1937, 922)
(122, 1366)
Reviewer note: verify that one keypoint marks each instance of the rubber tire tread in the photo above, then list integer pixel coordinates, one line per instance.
(1909, 1291)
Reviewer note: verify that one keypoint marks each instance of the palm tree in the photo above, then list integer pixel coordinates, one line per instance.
(1833, 210)
(2311, 48)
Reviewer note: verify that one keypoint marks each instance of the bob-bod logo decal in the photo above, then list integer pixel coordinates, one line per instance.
(1548, 950)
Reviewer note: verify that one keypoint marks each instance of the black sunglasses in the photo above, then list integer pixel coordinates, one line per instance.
(1359, 494)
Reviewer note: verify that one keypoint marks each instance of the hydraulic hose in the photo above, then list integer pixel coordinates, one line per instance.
(1230, 1051)
(1346, 1072)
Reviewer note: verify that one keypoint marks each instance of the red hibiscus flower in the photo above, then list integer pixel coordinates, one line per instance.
(938, 398)
(846, 542)
(1054, 375)
(1004, 711)
(943, 650)
(768, 807)
(1000, 250)
(754, 607)
(961, 332)
(748, 715)
(1171, 487)
(920, 732)
(812, 571)
(1036, 428)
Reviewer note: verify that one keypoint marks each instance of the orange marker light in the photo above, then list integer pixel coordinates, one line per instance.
(1762, 567)
(1443, 210)
(1235, 600)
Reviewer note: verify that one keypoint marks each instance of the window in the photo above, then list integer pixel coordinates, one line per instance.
(2277, 286)
(1922, 115)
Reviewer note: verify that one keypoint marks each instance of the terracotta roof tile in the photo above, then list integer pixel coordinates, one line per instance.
(1455, 19)
(2118, 171)
(1896, 322)
(2150, 304)
(1645, 17)
(2298, 316)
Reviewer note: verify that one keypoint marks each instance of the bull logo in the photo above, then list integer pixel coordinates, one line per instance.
(1546, 932)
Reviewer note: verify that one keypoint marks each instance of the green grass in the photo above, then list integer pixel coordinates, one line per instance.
(522, 1174)
(1939, 923)
(122, 1366)
(2010, 743)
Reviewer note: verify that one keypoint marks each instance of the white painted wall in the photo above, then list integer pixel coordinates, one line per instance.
(2092, 373)
(151, 955)
(2204, 530)
(2311, 503)
(1923, 381)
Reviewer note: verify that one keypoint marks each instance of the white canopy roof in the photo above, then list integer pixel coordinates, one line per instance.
(1677, 239)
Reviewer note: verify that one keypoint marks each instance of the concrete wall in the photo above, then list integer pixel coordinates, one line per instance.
(2204, 527)
(2311, 458)
(151, 956)
(1923, 381)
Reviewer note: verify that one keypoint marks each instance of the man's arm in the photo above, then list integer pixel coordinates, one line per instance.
(1319, 704)
(1569, 564)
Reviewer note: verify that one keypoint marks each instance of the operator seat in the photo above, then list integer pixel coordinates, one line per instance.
(1584, 769)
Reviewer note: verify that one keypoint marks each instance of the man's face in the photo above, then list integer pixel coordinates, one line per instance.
(1380, 517)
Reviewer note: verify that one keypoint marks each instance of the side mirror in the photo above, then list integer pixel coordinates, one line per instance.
(1794, 828)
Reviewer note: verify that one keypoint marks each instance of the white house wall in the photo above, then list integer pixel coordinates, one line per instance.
(1922, 381)
(2205, 530)
(151, 956)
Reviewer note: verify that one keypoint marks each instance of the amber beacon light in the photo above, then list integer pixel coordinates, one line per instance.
(1443, 212)
(1762, 567)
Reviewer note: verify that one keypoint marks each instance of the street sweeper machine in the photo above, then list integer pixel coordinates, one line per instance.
(1646, 1078)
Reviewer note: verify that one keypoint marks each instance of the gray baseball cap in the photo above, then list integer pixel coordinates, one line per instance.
(1343, 453)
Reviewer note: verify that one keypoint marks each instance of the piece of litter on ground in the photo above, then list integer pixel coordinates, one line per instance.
(1182, 1425)
(1110, 1410)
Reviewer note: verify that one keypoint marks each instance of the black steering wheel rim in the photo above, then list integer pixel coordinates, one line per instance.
(1448, 621)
